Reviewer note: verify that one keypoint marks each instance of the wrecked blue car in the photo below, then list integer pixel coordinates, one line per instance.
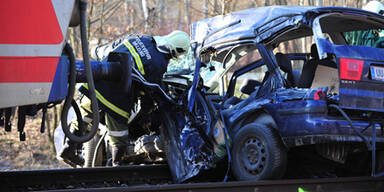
(295, 92)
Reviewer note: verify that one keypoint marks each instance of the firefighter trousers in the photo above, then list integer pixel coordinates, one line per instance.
(118, 133)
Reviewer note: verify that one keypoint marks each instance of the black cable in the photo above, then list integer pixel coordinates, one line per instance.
(88, 70)
(8, 119)
(42, 127)
(72, 82)
(71, 89)
(80, 123)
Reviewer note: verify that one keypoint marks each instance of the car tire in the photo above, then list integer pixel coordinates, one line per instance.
(258, 153)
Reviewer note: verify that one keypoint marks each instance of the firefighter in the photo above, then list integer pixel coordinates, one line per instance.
(151, 56)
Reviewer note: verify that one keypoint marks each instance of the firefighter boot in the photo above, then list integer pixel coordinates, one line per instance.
(69, 154)
(117, 155)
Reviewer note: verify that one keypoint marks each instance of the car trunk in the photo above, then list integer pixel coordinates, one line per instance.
(360, 65)
(361, 73)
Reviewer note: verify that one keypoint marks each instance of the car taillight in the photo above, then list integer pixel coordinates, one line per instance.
(351, 69)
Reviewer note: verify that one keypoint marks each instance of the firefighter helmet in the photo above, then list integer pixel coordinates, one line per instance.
(176, 42)
(374, 6)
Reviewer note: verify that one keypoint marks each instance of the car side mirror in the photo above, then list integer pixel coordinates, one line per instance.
(249, 86)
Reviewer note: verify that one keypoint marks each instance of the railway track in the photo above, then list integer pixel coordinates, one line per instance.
(71, 179)
(158, 178)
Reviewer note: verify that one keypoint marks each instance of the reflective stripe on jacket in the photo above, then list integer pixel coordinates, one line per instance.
(136, 56)
(151, 63)
(109, 104)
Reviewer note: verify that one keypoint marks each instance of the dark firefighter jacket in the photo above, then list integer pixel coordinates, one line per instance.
(151, 63)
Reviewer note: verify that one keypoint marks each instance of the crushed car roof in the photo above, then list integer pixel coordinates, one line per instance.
(258, 24)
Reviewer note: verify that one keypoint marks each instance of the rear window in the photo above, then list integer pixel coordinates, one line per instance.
(360, 30)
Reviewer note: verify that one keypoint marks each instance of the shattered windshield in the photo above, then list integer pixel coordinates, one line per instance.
(185, 65)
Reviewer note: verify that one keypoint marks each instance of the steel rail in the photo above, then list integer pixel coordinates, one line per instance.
(50, 179)
(352, 184)
(158, 178)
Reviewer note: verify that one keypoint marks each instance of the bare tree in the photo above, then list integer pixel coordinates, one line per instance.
(223, 3)
(281, 2)
(215, 6)
(303, 40)
(144, 5)
(74, 40)
(179, 17)
(89, 18)
(128, 12)
(320, 3)
(225, 6)
(187, 17)
(252, 4)
(206, 11)
(234, 5)
(99, 12)
(161, 14)
(101, 22)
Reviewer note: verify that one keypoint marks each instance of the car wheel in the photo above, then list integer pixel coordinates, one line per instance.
(257, 153)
